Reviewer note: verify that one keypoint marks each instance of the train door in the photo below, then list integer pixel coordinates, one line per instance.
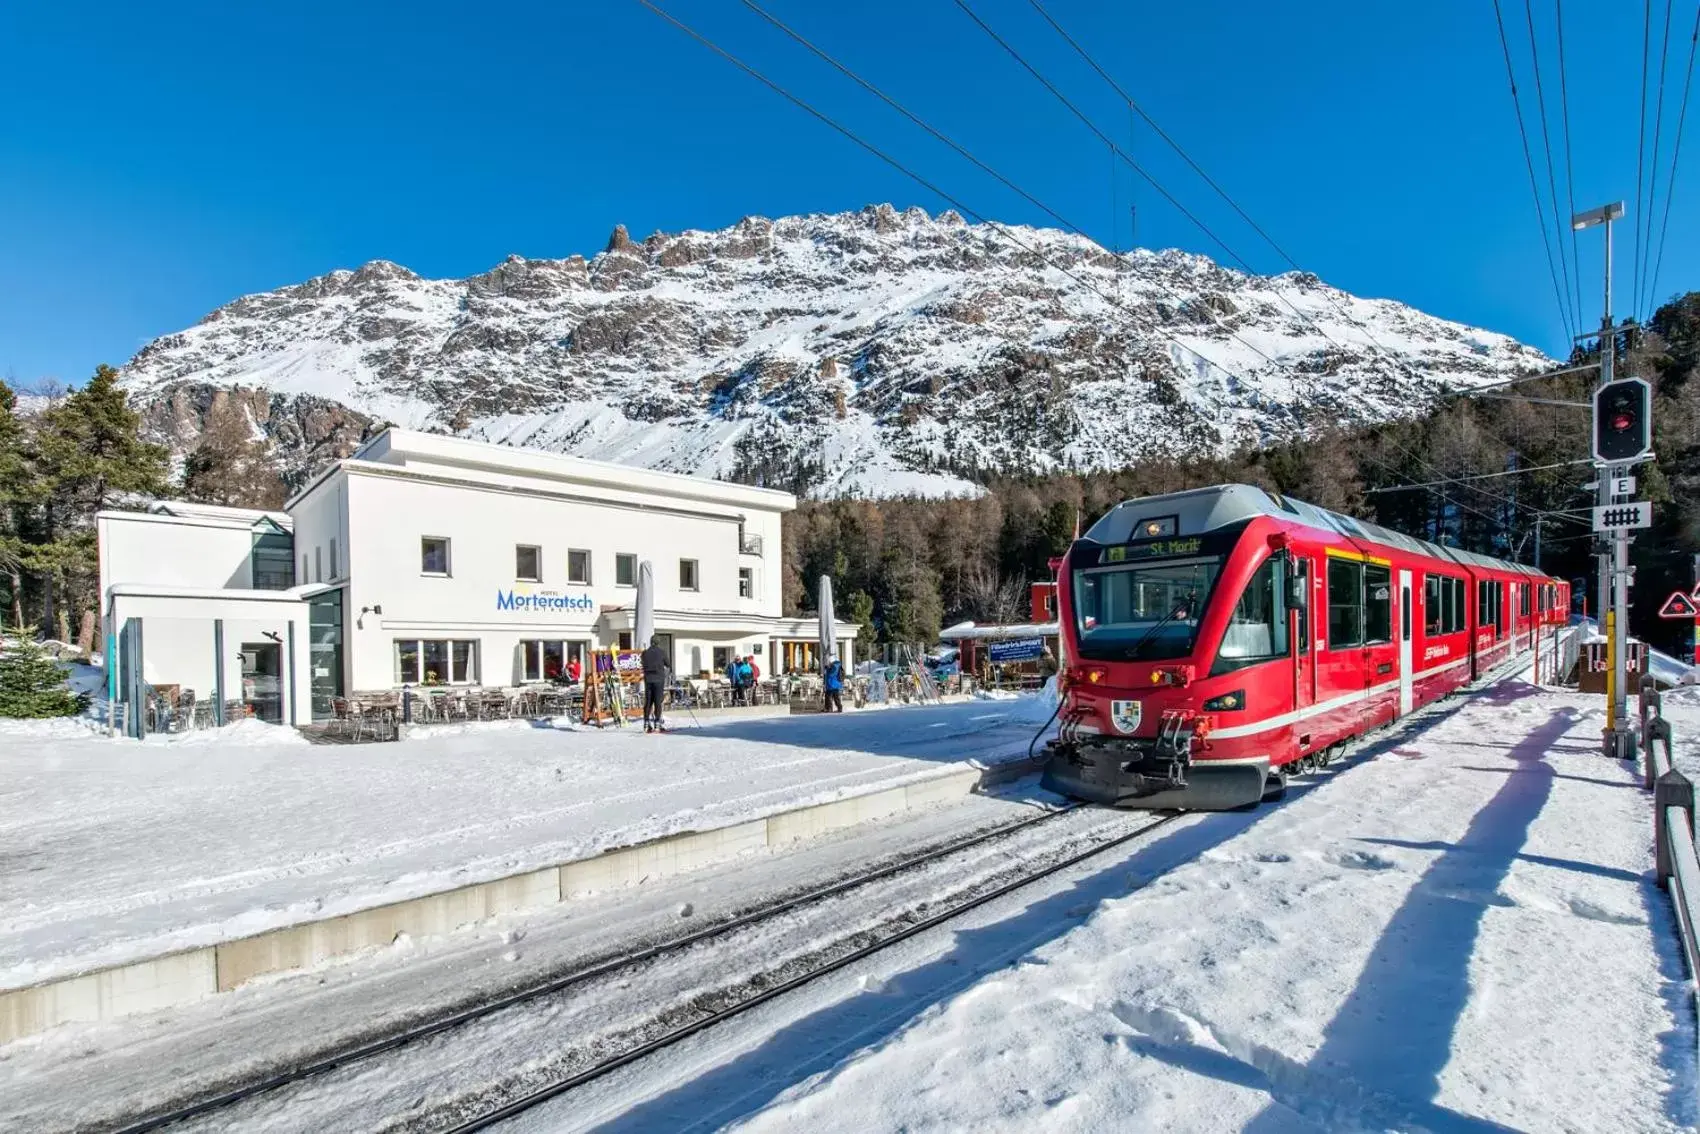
(1299, 634)
(1381, 643)
(1406, 664)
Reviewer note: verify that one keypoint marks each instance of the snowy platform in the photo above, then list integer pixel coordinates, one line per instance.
(116, 851)
(1461, 933)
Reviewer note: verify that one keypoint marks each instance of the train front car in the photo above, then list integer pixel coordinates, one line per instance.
(1176, 612)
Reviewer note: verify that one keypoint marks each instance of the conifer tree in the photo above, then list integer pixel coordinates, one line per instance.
(13, 485)
(88, 454)
(31, 683)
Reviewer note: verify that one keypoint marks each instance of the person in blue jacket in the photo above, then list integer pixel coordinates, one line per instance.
(734, 676)
(834, 682)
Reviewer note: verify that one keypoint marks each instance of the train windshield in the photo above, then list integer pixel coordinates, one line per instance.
(1148, 611)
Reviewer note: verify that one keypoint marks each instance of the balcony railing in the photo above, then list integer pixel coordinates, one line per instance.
(749, 544)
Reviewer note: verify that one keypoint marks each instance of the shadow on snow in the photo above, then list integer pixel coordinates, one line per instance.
(822, 1041)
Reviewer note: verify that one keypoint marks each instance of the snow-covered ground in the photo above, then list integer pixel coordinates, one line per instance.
(1461, 934)
(115, 849)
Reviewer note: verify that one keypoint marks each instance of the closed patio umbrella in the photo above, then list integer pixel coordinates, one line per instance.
(828, 625)
(643, 628)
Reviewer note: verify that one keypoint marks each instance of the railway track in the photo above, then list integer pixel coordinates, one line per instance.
(880, 939)
(210, 1106)
(534, 1097)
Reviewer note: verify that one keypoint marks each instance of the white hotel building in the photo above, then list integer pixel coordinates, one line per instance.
(425, 559)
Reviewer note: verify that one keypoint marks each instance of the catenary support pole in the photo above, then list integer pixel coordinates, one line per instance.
(1614, 559)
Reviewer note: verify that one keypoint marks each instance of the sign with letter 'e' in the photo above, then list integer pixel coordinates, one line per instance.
(1679, 605)
(1622, 517)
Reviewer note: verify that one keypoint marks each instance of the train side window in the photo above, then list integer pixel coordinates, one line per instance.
(1378, 603)
(1523, 599)
(1300, 600)
(1404, 614)
(1345, 604)
(1433, 606)
(1257, 628)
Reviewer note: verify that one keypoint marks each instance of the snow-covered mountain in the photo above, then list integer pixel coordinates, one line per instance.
(873, 352)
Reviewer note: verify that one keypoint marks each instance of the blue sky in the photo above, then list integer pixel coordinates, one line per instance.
(167, 158)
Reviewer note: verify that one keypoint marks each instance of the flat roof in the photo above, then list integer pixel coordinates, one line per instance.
(395, 446)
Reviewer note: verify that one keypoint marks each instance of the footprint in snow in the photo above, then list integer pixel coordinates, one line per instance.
(1361, 860)
(1273, 856)
(1581, 907)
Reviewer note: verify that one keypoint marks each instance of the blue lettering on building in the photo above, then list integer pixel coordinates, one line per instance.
(508, 600)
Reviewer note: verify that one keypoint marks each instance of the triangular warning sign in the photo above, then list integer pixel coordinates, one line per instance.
(1679, 605)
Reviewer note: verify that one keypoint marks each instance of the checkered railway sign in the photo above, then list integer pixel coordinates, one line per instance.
(1623, 517)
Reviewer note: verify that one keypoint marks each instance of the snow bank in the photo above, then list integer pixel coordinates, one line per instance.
(133, 849)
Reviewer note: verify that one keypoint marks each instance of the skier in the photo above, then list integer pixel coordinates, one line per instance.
(834, 682)
(655, 670)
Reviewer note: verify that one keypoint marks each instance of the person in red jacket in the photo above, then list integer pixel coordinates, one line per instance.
(574, 671)
(755, 670)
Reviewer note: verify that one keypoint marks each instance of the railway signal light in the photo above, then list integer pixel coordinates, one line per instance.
(1623, 421)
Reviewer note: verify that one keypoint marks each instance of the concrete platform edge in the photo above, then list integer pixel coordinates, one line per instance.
(172, 979)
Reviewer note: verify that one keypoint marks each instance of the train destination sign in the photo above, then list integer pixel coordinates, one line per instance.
(1129, 552)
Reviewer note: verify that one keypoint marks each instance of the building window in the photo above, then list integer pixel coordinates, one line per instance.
(333, 561)
(304, 575)
(625, 640)
(436, 661)
(1345, 604)
(272, 562)
(318, 565)
(578, 568)
(546, 659)
(528, 564)
(722, 658)
(687, 574)
(746, 582)
(433, 556)
(625, 569)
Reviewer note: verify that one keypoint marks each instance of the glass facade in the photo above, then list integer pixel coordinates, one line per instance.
(324, 647)
(272, 561)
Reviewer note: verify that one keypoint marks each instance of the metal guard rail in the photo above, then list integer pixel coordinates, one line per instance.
(1678, 868)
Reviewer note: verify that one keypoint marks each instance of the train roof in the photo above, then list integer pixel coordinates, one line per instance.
(1201, 510)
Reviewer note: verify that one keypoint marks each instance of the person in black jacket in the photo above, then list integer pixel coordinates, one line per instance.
(655, 670)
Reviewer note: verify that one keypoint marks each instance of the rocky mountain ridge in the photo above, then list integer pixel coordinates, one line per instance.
(866, 353)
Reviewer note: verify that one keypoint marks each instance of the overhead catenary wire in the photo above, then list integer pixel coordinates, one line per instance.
(922, 181)
(1641, 156)
(1134, 107)
(1569, 164)
(1546, 149)
(1641, 298)
(963, 207)
(963, 152)
(1486, 476)
(1676, 153)
(1534, 185)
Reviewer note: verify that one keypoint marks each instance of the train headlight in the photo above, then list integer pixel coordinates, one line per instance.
(1226, 703)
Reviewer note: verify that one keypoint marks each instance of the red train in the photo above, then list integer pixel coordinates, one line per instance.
(1219, 639)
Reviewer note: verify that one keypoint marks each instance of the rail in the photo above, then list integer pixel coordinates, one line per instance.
(1676, 864)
